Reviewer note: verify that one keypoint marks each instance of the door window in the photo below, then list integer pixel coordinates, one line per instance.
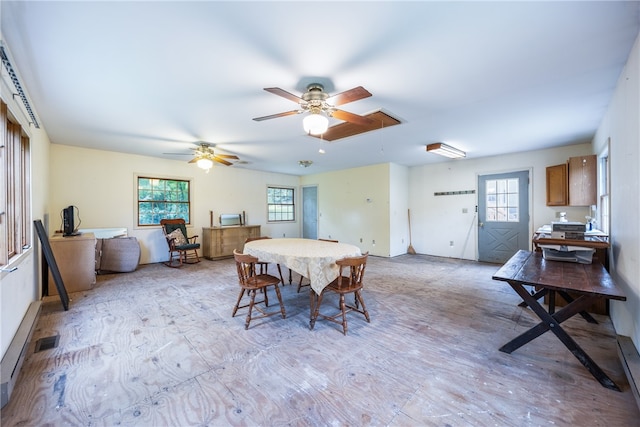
(502, 200)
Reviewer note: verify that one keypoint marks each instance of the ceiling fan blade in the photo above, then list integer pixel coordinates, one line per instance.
(195, 159)
(223, 161)
(178, 154)
(274, 116)
(351, 117)
(349, 96)
(283, 93)
(227, 156)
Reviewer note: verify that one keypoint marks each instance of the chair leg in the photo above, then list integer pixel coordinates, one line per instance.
(235, 309)
(252, 293)
(284, 315)
(300, 283)
(174, 262)
(343, 307)
(364, 308)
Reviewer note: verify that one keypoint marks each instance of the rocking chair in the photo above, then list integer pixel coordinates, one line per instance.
(182, 249)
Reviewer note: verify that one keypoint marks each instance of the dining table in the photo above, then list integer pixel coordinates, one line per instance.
(313, 259)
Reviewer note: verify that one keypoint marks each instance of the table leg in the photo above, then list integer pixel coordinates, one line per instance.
(313, 300)
(552, 302)
(586, 316)
(551, 322)
(539, 294)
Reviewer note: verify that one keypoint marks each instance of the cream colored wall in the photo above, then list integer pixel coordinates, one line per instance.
(20, 287)
(439, 220)
(353, 206)
(622, 127)
(102, 185)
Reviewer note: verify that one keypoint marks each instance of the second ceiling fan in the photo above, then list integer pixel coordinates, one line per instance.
(320, 105)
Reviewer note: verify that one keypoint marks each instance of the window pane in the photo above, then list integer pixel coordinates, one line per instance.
(162, 198)
(502, 200)
(280, 204)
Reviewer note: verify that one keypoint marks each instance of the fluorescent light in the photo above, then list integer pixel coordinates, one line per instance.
(445, 150)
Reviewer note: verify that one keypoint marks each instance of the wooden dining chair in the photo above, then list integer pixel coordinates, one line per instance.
(300, 285)
(250, 282)
(263, 265)
(352, 282)
(182, 249)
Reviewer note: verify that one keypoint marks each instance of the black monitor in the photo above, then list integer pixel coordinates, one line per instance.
(68, 223)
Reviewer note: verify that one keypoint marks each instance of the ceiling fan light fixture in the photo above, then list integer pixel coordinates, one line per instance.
(445, 150)
(315, 123)
(205, 164)
(305, 163)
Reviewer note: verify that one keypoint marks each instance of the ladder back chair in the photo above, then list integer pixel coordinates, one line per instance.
(352, 282)
(182, 249)
(250, 282)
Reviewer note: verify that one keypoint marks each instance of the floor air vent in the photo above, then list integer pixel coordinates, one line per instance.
(47, 343)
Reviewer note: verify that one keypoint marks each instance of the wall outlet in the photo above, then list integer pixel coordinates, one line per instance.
(451, 243)
(283, 235)
(465, 210)
(374, 242)
(361, 240)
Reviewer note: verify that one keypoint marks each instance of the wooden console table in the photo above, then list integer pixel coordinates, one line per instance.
(219, 242)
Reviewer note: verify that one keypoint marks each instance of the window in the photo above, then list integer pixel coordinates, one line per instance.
(502, 200)
(603, 188)
(280, 204)
(160, 198)
(15, 199)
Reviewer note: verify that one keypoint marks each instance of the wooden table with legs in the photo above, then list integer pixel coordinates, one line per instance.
(315, 259)
(590, 282)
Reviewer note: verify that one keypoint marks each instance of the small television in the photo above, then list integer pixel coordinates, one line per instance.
(68, 222)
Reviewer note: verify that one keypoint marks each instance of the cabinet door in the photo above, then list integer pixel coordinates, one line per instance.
(557, 185)
(582, 180)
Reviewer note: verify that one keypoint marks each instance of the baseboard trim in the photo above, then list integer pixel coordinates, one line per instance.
(13, 358)
(630, 359)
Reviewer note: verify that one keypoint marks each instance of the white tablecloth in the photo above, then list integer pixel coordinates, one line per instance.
(314, 259)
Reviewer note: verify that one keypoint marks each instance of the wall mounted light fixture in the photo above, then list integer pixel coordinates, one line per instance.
(445, 150)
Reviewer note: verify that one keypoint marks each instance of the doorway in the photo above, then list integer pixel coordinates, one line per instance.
(503, 215)
(310, 212)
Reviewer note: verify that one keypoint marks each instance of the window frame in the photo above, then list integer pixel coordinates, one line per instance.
(15, 201)
(503, 204)
(138, 201)
(291, 207)
(603, 215)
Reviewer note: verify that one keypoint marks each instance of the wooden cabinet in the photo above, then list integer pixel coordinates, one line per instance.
(76, 260)
(557, 186)
(219, 242)
(573, 183)
(582, 180)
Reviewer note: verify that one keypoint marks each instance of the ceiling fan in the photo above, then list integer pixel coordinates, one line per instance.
(320, 105)
(204, 156)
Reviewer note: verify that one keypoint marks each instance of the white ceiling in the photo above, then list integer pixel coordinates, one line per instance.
(152, 77)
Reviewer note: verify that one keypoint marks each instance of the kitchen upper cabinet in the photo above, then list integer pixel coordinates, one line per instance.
(573, 183)
(557, 186)
(582, 180)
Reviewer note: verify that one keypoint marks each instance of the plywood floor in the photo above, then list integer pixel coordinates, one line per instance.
(158, 347)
